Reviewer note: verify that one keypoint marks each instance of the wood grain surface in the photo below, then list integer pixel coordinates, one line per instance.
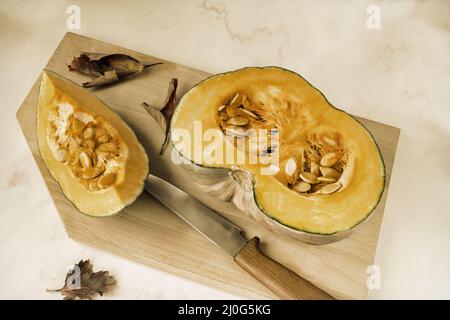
(149, 233)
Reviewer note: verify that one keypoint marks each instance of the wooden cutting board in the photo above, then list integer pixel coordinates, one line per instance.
(149, 233)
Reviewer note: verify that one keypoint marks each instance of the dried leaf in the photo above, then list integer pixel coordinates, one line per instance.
(102, 80)
(86, 66)
(107, 68)
(81, 282)
(156, 114)
(164, 115)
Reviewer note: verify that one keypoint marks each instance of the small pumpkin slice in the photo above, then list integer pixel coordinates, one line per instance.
(91, 152)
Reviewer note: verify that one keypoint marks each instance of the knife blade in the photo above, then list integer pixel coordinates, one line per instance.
(213, 226)
(281, 280)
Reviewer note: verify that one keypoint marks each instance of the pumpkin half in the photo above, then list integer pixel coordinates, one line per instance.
(318, 173)
(89, 150)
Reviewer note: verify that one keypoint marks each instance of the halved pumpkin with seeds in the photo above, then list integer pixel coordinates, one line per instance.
(89, 150)
(318, 173)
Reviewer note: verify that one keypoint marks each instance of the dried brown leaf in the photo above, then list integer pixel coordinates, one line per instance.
(164, 116)
(102, 80)
(156, 114)
(107, 68)
(169, 109)
(81, 282)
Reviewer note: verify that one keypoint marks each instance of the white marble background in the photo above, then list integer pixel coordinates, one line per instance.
(398, 75)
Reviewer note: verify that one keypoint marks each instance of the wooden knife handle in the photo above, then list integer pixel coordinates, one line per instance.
(279, 279)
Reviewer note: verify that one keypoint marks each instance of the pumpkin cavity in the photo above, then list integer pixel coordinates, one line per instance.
(311, 164)
(86, 144)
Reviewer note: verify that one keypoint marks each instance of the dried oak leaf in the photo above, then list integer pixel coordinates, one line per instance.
(107, 68)
(163, 116)
(81, 282)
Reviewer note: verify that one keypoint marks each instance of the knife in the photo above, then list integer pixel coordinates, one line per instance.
(282, 281)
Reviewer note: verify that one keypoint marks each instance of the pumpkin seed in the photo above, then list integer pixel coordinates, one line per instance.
(107, 180)
(314, 168)
(115, 169)
(88, 133)
(326, 179)
(63, 141)
(290, 167)
(73, 145)
(100, 132)
(330, 172)
(329, 140)
(249, 113)
(302, 187)
(329, 188)
(329, 159)
(85, 160)
(238, 121)
(236, 99)
(61, 155)
(92, 172)
(222, 107)
(316, 187)
(308, 177)
(104, 138)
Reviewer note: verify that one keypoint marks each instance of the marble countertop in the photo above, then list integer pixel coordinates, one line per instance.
(395, 70)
